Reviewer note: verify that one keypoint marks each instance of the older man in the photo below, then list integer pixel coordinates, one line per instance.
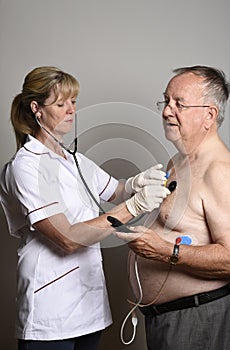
(184, 257)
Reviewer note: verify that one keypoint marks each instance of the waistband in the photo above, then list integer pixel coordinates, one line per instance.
(186, 302)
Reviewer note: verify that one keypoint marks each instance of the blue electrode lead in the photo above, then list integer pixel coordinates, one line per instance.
(167, 174)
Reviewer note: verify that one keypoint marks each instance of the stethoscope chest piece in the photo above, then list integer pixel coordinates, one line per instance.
(172, 186)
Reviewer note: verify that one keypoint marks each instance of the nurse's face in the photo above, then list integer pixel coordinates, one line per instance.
(58, 116)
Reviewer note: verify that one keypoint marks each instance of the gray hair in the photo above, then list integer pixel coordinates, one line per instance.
(216, 87)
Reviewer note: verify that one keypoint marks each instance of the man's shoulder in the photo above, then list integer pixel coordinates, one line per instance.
(218, 170)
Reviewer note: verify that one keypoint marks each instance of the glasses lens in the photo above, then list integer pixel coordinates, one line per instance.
(161, 105)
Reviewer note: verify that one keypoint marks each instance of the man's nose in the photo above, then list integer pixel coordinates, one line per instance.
(168, 110)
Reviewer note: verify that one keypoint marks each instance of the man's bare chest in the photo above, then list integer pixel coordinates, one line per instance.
(183, 208)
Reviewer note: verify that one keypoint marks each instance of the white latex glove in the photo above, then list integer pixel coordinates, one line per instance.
(148, 198)
(151, 176)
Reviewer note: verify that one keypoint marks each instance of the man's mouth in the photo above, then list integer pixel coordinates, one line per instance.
(170, 124)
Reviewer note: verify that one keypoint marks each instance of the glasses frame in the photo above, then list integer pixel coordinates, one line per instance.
(179, 106)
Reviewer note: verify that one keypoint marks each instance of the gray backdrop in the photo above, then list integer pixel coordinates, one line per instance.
(122, 53)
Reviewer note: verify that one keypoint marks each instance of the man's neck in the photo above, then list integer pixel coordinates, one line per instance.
(193, 148)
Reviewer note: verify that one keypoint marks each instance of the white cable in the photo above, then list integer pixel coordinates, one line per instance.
(134, 317)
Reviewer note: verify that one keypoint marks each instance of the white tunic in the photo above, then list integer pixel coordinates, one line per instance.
(59, 296)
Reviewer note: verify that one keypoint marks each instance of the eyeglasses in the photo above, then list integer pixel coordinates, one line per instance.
(161, 105)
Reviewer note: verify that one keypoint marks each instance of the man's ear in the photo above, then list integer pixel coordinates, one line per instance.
(211, 116)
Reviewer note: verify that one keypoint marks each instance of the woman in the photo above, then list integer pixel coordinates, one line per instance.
(62, 300)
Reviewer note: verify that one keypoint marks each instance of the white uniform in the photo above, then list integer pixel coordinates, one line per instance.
(59, 296)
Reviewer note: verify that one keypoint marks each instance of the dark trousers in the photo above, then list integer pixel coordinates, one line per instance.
(86, 342)
(205, 327)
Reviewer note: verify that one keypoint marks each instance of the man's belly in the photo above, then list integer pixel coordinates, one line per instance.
(162, 282)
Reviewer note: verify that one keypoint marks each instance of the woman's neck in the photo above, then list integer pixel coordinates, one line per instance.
(50, 142)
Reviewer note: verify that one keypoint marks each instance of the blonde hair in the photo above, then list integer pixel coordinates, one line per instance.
(37, 86)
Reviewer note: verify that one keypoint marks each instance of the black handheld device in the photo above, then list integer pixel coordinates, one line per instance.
(117, 223)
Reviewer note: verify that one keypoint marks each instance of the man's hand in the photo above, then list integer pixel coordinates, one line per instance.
(146, 243)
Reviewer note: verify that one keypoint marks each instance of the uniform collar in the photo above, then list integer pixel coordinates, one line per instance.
(38, 148)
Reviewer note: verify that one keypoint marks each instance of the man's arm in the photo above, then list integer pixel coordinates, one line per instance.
(213, 260)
